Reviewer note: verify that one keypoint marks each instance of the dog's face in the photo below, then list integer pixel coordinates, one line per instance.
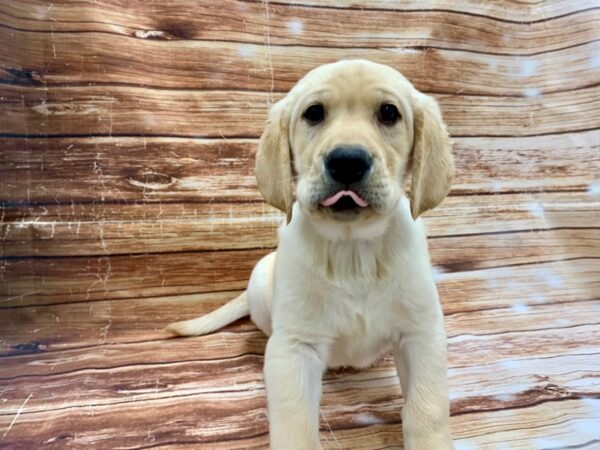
(352, 130)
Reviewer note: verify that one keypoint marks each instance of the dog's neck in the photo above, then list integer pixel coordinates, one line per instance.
(340, 252)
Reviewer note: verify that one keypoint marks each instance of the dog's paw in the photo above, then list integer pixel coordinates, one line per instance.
(435, 441)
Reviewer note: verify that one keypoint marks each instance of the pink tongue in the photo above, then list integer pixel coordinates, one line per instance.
(335, 197)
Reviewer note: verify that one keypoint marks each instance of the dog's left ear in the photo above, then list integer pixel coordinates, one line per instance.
(431, 159)
(273, 162)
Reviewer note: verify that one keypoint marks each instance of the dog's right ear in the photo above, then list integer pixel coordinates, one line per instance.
(273, 162)
(431, 160)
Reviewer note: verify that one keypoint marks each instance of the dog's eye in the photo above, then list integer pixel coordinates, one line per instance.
(388, 114)
(314, 114)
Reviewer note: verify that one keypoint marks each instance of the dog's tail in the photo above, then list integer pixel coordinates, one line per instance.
(226, 314)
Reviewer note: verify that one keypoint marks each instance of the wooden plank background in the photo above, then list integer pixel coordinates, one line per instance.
(127, 134)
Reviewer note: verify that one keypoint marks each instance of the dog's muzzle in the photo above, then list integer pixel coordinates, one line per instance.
(346, 167)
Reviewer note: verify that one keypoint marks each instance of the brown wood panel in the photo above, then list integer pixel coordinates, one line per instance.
(560, 281)
(128, 237)
(99, 229)
(41, 59)
(134, 229)
(555, 162)
(156, 426)
(60, 280)
(524, 12)
(159, 422)
(547, 425)
(518, 12)
(349, 398)
(400, 26)
(484, 214)
(219, 359)
(72, 324)
(125, 111)
(240, 341)
(31, 281)
(242, 346)
(463, 253)
(160, 383)
(198, 170)
(473, 388)
(128, 170)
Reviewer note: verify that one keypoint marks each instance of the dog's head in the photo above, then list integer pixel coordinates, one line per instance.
(350, 131)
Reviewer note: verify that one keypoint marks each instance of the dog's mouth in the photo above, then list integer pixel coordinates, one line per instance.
(344, 200)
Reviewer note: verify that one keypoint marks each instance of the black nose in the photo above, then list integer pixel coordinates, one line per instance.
(347, 164)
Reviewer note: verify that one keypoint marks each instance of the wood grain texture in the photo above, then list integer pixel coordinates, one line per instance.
(128, 200)
(147, 169)
(492, 213)
(135, 111)
(196, 64)
(359, 26)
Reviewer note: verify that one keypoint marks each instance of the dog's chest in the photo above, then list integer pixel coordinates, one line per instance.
(364, 329)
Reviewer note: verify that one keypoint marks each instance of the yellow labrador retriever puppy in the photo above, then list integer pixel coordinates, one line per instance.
(351, 278)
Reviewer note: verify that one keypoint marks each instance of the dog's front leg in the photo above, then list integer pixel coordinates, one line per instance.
(421, 364)
(293, 373)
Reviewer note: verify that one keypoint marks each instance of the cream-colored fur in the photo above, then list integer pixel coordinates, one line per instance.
(345, 291)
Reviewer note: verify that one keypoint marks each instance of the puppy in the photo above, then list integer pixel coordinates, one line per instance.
(351, 279)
